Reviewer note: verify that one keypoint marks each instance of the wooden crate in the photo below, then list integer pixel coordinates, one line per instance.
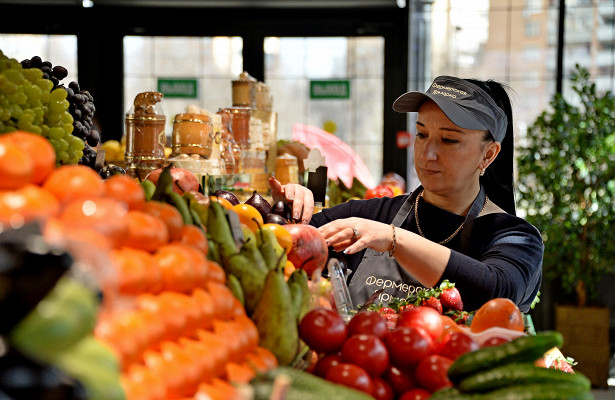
(586, 339)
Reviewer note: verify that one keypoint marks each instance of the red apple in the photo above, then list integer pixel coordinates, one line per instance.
(183, 179)
(309, 249)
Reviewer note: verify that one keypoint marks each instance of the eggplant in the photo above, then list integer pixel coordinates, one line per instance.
(29, 269)
(23, 378)
(260, 203)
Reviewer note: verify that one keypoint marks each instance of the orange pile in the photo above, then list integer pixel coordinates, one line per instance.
(182, 331)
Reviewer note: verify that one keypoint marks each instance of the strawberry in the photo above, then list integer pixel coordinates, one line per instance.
(430, 299)
(562, 364)
(461, 317)
(450, 296)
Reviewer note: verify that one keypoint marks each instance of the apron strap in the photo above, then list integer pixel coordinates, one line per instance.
(476, 208)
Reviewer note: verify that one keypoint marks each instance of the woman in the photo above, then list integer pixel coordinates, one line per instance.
(459, 224)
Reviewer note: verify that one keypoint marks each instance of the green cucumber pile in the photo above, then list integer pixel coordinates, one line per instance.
(507, 372)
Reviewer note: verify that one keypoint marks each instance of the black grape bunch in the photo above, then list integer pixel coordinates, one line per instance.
(81, 106)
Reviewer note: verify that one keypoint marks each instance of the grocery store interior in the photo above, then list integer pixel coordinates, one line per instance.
(377, 49)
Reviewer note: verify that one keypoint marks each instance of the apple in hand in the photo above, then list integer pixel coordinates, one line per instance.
(309, 250)
(183, 180)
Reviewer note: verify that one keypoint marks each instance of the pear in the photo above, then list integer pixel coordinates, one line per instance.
(276, 319)
(251, 280)
(300, 292)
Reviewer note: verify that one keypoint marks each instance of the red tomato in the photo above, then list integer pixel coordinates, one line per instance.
(494, 341)
(423, 317)
(387, 310)
(400, 380)
(431, 373)
(408, 345)
(366, 351)
(457, 344)
(352, 376)
(379, 191)
(382, 389)
(416, 394)
(326, 362)
(369, 322)
(323, 330)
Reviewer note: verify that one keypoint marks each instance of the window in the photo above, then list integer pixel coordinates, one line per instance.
(532, 28)
(57, 49)
(292, 63)
(212, 61)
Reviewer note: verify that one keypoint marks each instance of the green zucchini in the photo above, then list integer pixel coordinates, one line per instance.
(523, 349)
(518, 374)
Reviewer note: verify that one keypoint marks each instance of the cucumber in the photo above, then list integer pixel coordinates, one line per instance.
(523, 349)
(535, 391)
(518, 374)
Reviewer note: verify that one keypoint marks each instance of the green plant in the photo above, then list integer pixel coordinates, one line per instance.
(566, 180)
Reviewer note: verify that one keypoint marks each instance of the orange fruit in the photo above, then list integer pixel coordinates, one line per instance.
(498, 312)
(289, 268)
(249, 216)
(202, 300)
(222, 201)
(169, 214)
(194, 236)
(175, 261)
(239, 373)
(70, 182)
(106, 216)
(283, 235)
(137, 270)
(26, 204)
(222, 298)
(124, 188)
(267, 357)
(145, 231)
(16, 166)
(39, 150)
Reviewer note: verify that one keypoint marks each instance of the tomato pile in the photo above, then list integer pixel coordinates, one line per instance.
(407, 360)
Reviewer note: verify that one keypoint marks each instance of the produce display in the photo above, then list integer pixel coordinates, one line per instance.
(119, 288)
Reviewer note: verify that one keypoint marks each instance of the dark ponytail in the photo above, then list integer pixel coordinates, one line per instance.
(499, 177)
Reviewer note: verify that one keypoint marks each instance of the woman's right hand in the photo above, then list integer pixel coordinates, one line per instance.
(298, 197)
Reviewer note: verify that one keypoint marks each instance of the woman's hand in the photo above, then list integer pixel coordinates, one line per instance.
(298, 197)
(355, 234)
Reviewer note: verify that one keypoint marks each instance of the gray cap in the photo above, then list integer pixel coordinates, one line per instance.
(465, 104)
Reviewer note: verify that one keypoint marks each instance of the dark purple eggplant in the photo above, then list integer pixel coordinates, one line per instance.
(260, 203)
(282, 209)
(225, 194)
(275, 219)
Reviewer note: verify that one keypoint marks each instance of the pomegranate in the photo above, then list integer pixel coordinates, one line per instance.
(309, 249)
(183, 180)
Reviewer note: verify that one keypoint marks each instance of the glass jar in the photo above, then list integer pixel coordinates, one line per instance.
(287, 169)
(238, 124)
(192, 134)
(145, 135)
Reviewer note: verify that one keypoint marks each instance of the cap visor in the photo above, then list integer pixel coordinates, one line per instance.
(411, 101)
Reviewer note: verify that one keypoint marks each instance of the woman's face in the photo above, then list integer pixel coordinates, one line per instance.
(447, 158)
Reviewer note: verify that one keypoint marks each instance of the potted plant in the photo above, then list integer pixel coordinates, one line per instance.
(566, 167)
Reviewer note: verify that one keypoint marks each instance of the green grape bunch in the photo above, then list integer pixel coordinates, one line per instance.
(29, 102)
(80, 106)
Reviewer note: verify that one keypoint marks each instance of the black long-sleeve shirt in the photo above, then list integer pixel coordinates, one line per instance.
(503, 258)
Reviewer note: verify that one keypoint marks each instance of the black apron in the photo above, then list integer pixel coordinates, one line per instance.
(378, 271)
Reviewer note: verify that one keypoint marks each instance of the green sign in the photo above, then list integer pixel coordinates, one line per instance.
(183, 88)
(329, 89)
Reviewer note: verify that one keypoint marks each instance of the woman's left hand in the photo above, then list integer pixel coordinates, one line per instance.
(353, 234)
